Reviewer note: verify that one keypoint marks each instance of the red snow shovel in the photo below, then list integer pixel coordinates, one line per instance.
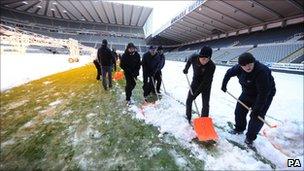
(118, 75)
(249, 109)
(203, 126)
(204, 129)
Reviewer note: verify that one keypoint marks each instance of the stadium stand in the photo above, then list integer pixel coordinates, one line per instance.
(90, 34)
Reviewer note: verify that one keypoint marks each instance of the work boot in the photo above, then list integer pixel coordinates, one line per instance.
(249, 143)
(235, 132)
(128, 102)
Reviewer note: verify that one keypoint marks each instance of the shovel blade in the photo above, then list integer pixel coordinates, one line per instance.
(204, 129)
(118, 75)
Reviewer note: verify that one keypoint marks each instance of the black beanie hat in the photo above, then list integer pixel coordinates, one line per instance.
(104, 42)
(130, 45)
(246, 58)
(206, 52)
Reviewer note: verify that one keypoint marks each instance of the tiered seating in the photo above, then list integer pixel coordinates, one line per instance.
(274, 52)
(227, 54)
(299, 59)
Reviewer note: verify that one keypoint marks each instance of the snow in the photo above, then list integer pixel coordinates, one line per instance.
(55, 103)
(277, 144)
(19, 69)
(286, 112)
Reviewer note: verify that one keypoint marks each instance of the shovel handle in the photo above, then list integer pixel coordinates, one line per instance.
(263, 120)
(192, 93)
(154, 87)
(163, 83)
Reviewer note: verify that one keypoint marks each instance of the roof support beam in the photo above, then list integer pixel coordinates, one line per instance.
(193, 23)
(85, 8)
(266, 8)
(115, 17)
(31, 6)
(178, 34)
(59, 12)
(11, 2)
(46, 7)
(103, 8)
(215, 20)
(173, 36)
(296, 4)
(20, 5)
(226, 15)
(167, 36)
(36, 11)
(208, 24)
(192, 31)
(141, 11)
(67, 11)
(131, 15)
(183, 32)
(96, 12)
(83, 16)
(226, 3)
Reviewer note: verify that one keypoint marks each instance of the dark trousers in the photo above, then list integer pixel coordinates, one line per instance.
(130, 84)
(148, 85)
(107, 71)
(98, 68)
(158, 80)
(255, 124)
(191, 98)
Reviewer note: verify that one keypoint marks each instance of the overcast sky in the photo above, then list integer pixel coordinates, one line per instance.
(164, 11)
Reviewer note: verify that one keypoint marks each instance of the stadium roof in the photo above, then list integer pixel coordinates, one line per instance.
(210, 19)
(83, 10)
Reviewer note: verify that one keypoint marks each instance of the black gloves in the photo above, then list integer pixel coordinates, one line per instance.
(224, 88)
(185, 71)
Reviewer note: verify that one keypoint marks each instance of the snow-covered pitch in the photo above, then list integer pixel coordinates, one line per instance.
(286, 110)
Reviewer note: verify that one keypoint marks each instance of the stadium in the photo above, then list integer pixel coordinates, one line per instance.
(55, 115)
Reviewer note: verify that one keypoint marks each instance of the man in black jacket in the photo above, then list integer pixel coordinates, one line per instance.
(130, 63)
(150, 62)
(161, 64)
(203, 70)
(106, 60)
(258, 89)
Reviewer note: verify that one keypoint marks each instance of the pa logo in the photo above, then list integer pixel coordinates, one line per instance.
(293, 163)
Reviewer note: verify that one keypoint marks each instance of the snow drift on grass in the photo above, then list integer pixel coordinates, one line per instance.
(169, 117)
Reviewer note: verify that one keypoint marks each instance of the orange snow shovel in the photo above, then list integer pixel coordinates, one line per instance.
(118, 75)
(203, 126)
(204, 129)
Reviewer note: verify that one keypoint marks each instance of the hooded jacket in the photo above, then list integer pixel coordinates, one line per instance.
(105, 56)
(130, 63)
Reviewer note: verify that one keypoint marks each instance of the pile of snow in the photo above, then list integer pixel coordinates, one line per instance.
(168, 115)
(286, 111)
(19, 69)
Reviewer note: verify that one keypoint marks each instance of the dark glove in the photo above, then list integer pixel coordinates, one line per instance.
(185, 71)
(224, 88)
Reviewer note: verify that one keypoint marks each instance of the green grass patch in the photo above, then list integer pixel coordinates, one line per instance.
(68, 121)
